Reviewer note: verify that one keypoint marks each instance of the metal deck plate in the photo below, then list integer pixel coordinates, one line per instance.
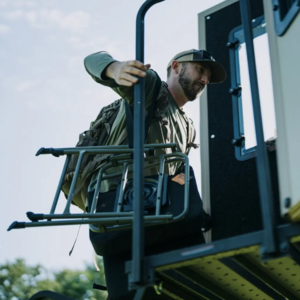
(240, 274)
(227, 279)
(284, 271)
(215, 256)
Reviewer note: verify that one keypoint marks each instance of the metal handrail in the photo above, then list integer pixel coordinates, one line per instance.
(139, 138)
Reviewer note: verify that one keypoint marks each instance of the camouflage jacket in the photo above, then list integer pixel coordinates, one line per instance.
(169, 123)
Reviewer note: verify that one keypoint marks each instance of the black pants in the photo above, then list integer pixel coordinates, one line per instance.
(117, 279)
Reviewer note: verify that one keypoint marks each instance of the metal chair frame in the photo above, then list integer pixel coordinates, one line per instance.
(108, 221)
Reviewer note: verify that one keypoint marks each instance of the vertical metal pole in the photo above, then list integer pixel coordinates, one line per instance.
(139, 139)
(262, 162)
(60, 184)
(73, 184)
(138, 142)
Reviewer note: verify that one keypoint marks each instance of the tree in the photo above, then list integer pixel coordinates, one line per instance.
(19, 281)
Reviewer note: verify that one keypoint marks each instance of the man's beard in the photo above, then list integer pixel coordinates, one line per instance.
(191, 89)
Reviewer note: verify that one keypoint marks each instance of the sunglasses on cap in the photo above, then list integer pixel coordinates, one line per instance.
(199, 54)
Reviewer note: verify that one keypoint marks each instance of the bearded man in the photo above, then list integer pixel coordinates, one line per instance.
(188, 73)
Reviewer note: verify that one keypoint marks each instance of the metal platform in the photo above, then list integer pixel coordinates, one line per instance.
(231, 269)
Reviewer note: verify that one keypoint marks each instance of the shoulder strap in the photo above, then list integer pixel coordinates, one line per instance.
(129, 124)
(129, 119)
(190, 134)
(191, 131)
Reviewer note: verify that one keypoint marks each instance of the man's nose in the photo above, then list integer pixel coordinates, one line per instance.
(205, 78)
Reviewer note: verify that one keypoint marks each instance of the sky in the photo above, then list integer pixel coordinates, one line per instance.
(47, 99)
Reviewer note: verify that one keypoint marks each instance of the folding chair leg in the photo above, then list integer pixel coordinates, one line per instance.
(140, 293)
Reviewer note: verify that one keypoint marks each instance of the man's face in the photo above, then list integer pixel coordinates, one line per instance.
(193, 78)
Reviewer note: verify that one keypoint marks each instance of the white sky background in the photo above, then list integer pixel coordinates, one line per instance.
(47, 99)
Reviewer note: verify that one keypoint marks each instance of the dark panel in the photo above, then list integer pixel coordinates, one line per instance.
(233, 184)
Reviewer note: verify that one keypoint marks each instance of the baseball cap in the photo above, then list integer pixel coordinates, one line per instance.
(218, 73)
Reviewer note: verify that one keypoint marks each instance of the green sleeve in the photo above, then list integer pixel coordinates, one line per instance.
(95, 64)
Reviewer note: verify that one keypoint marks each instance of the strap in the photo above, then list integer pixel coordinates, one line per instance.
(129, 118)
(190, 131)
(151, 108)
(190, 135)
(129, 123)
(71, 251)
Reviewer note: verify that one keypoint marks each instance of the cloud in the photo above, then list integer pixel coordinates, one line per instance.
(3, 3)
(98, 43)
(44, 18)
(87, 43)
(17, 3)
(75, 21)
(22, 3)
(4, 29)
(26, 85)
(31, 16)
(53, 16)
(14, 15)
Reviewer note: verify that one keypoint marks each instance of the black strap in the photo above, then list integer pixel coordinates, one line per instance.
(129, 118)
(129, 123)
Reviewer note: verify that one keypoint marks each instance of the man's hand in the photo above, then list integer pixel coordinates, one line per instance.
(124, 73)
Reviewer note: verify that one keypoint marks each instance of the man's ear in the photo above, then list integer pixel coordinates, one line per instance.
(175, 66)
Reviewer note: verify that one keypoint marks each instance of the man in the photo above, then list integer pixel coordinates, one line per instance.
(188, 74)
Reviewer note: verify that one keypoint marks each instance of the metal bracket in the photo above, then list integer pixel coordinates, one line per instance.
(238, 141)
(233, 43)
(271, 145)
(147, 280)
(234, 91)
(284, 249)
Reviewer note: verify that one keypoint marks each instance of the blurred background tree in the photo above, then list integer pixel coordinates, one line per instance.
(19, 281)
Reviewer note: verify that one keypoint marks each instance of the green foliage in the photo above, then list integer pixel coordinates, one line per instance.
(19, 281)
